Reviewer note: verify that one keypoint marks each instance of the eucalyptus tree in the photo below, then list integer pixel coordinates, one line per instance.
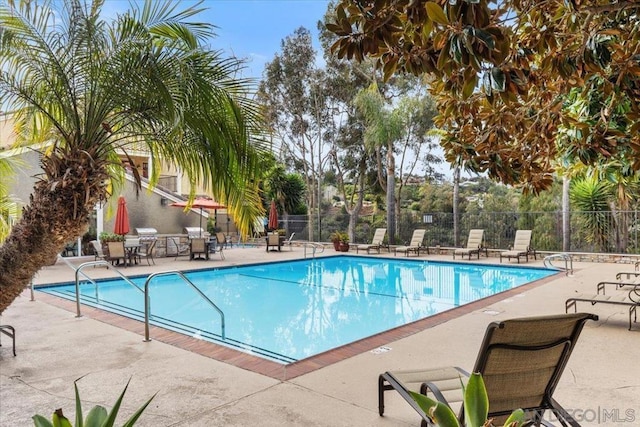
(502, 70)
(293, 94)
(383, 128)
(96, 90)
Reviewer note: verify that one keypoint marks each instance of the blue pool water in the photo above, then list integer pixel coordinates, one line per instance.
(287, 311)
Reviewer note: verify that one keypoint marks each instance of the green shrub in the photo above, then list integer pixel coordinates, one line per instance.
(97, 416)
(476, 407)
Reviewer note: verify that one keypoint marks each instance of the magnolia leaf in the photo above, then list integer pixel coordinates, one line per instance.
(435, 13)
(498, 78)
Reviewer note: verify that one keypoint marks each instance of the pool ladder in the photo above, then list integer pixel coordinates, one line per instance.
(178, 273)
(314, 246)
(147, 300)
(568, 262)
(79, 271)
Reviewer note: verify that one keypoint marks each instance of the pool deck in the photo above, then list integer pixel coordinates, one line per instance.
(199, 384)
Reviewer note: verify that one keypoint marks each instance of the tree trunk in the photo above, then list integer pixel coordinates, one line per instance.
(456, 196)
(566, 215)
(391, 195)
(58, 212)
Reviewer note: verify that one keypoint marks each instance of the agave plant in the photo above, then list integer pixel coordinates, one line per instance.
(476, 407)
(97, 416)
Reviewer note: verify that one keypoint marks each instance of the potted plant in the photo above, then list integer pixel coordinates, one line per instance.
(340, 241)
(106, 237)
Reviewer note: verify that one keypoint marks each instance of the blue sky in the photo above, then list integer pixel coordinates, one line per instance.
(251, 29)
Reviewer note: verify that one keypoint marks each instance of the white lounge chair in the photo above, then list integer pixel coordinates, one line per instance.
(414, 245)
(521, 247)
(475, 244)
(376, 242)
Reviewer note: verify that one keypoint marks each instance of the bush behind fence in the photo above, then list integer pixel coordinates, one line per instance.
(600, 232)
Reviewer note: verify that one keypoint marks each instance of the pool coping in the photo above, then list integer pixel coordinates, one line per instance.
(289, 371)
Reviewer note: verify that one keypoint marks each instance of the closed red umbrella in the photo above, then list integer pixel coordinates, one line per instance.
(202, 204)
(121, 226)
(273, 216)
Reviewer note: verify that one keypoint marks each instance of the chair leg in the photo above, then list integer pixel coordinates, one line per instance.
(9, 331)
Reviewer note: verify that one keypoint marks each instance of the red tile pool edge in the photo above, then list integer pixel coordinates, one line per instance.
(292, 370)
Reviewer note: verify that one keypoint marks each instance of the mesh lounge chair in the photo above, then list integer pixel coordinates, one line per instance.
(521, 247)
(376, 242)
(631, 300)
(521, 361)
(475, 244)
(414, 245)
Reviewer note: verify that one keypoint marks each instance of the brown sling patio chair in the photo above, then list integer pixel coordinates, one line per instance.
(376, 241)
(475, 245)
(197, 247)
(415, 245)
(521, 361)
(521, 247)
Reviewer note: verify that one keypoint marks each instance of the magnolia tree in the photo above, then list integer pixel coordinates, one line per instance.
(518, 83)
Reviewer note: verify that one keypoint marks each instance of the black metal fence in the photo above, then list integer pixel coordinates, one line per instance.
(601, 232)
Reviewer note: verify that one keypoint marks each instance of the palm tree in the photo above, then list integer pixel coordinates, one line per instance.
(95, 90)
(7, 207)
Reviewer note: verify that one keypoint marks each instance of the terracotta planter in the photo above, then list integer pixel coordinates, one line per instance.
(336, 245)
(343, 247)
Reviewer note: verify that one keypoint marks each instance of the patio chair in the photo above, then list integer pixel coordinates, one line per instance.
(521, 247)
(198, 246)
(414, 245)
(521, 361)
(181, 249)
(376, 242)
(273, 241)
(116, 253)
(475, 244)
(9, 331)
(221, 241)
(147, 252)
(97, 251)
(289, 241)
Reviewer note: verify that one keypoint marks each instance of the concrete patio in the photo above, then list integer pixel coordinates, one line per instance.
(601, 385)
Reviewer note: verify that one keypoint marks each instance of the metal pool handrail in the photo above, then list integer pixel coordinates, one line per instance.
(94, 263)
(181, 275)
(568, 262)
(314, 246)
(71, 266)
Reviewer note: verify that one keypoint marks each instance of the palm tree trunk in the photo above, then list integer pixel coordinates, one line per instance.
(49, 221)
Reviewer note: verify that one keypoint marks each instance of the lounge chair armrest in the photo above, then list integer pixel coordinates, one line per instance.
(628, 274)
(634, 294)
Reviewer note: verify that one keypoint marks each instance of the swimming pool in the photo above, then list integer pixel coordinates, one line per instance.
(287, 311)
